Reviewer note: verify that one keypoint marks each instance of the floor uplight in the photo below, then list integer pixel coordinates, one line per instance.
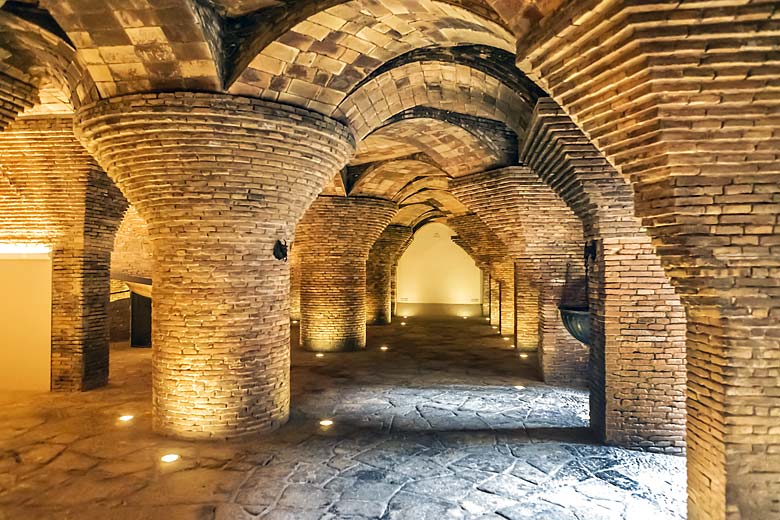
(403, 324)
(125, 418)
(519, 387)
(382, 348)
(523, 355)
(319, 354)
(505, 339)
(170, 457)
(295, 321)
(326, 422)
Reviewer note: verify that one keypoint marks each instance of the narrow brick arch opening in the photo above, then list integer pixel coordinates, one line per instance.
(56, 196)
(684, 116)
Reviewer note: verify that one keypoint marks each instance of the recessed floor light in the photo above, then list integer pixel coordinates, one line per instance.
(505, 339)
(519, 387)
(382, 348)
(524, 355)
(465, 317)
(403, 324)
(295, 321)
(319, 354)
(495, 327)
(487, 319)
(125, 418)
(170, 457)
(326, 422)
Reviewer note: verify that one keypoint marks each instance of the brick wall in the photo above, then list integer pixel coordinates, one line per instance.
(394, 276)
(334, 238)
(384, 254)
(495, 301)
(637, 354)
(485, 291)
(294, 258)
(477, 239)
(689, 116)
(544, 237)
(527, 309)
(15, 96)
(220, 314)
(132, 253)
(53, 193)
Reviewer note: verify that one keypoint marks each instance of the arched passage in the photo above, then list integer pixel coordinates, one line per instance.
(436, 277)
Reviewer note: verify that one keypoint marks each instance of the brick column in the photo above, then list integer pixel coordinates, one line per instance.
(334, 237)
(132, 253)
(218, 180)
(15, 96)
(527, 309)
(485, 292)
(690, 118)
(384, 254)
(505, 273)
(495, 301)
(487, 249)
(394, 275)
(55, 194)
(294, 259)
(638, 390)
(545, 238)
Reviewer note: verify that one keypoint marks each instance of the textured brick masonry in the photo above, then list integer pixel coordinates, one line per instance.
(211, 175)
(543, 236)
(683, 101)
(638, 390)
(334, 238)
(490, 252)
(382, 258)
(53, 193)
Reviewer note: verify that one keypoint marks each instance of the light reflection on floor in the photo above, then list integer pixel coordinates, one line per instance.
(431, 428)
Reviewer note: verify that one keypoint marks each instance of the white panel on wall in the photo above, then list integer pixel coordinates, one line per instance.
(436, 270)
(25, 321)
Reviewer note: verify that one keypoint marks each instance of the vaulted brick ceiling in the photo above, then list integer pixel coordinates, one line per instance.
(429, 87)
(311, 54)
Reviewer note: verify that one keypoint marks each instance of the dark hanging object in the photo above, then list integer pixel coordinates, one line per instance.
(576, 318)
(280, 250)
(577, 322)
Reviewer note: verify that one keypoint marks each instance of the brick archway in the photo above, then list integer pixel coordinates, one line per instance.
(683, 110)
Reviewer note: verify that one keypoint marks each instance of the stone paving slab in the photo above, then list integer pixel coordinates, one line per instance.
(433, 428)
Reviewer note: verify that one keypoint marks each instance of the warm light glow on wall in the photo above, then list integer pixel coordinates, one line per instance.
(23, 249)
(436, 270)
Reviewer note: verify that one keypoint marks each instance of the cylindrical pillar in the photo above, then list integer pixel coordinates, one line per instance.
(334, 238)
(485, 291)
(495, 301)
(295, 283)
(379, 271)
(219, 180)
(505, 272)
(55, 194)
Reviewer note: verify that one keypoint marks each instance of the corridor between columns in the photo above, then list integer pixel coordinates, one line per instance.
(604, 175)
(437, 418)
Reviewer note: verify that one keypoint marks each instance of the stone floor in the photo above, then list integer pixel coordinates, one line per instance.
(448, 422)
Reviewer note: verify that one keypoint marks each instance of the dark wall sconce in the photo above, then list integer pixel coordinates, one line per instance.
(575, 318)
(280, 250)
